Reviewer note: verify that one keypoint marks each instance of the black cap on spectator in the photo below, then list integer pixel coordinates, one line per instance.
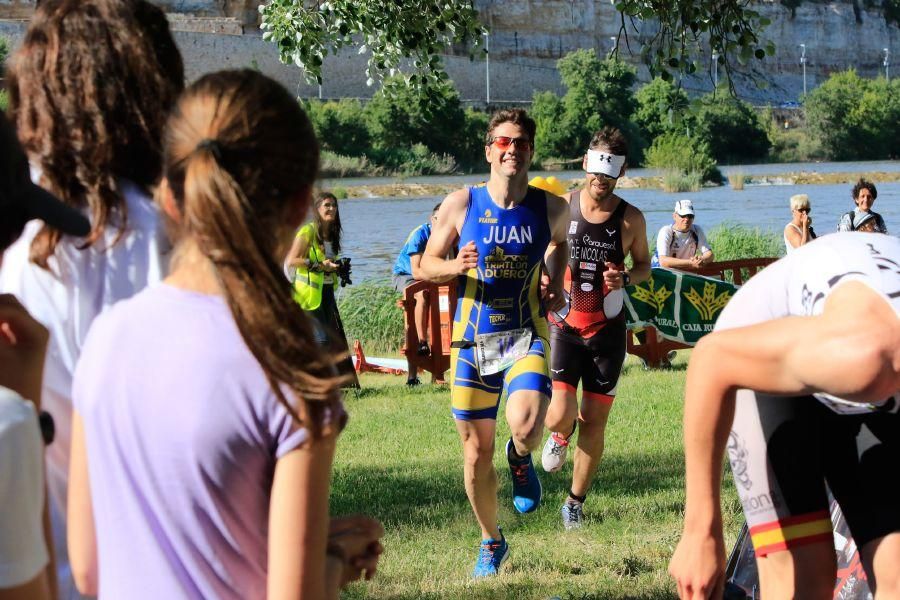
(21, 200)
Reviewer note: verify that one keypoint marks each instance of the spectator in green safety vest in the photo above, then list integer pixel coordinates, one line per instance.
(315, 254)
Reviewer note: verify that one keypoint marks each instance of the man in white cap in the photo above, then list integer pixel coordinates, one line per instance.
(683, 244)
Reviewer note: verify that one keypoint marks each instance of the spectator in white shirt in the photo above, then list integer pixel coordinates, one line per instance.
(683, 244)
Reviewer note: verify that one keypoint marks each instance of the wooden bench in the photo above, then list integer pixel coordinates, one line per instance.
(654, 349)
(439, 322)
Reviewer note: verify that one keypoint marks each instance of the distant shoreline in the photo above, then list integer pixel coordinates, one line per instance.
(401, 189)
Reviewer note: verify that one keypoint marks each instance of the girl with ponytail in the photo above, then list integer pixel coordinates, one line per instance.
(205, 409)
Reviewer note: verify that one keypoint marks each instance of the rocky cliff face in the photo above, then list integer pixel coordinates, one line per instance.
(529, 36)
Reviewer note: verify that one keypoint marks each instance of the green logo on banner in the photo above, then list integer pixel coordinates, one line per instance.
(709, 304)
(655, 297)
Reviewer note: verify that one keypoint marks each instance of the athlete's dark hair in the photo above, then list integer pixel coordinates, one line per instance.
(332, 232)
(436, 208)
(611, 138)
(864, 184)
(90, 89)
(240, 154)
(516, 116)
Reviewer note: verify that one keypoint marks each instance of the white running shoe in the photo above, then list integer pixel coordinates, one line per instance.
(554, 455)
(572, 515)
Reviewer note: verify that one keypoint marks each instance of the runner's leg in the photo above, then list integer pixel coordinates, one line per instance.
(525, 413)
(802, 572)
(862, 466)
(480, 476)
(528, 387)
(880, 559)
(776, 459)
(599, 380)
(591, 432)
(419, 316)
(565, 371)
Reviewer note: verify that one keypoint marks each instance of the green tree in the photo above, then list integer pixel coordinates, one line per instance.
(400, 117)
(661, 107)
(855, 118)
(731, 128)
(340, 126)
(393, 31)
(598, 93)
(683, 32)
(551, 138)
(679, 153)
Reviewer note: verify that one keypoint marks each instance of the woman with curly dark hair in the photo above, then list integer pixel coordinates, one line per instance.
(90, 89)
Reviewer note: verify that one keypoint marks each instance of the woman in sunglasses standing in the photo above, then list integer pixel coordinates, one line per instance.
(799, 231)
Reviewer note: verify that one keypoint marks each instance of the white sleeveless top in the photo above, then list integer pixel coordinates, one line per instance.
(787, 243)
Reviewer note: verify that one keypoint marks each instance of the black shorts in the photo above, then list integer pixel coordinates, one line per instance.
(596, 362)
(783, 452)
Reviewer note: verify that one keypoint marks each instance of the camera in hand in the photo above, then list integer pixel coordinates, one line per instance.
(343, 271)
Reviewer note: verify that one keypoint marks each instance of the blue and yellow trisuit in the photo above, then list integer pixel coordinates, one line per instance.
(502, 294)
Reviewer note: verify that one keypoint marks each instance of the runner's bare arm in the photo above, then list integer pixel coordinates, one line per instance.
(557, 254)
(639, 250)
(434, 266)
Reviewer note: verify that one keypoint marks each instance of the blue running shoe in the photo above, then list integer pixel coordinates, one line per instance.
(526, 485)
(491, 556)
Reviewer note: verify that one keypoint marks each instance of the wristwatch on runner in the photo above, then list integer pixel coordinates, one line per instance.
(626, 278)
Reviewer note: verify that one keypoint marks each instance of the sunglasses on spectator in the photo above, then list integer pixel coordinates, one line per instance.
(502, 142)
(806, 210)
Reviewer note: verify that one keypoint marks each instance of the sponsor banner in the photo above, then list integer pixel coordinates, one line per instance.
(681, 306)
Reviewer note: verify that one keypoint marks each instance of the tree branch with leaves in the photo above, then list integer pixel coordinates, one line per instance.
(407, 36)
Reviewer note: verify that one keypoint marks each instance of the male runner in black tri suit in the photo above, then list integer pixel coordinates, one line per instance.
(587, 337)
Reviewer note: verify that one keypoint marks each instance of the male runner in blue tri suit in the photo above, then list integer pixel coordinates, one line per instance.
(500, 337)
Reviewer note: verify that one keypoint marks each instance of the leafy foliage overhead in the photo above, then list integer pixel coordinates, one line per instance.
(687, 29)
(675, 34)
(393, 31)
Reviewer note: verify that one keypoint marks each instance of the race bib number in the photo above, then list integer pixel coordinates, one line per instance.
(498, 351)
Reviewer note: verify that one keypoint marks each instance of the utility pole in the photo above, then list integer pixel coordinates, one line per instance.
(612, 48)
(487, 68)
(887, 64)
(715, 60)
(803, 64)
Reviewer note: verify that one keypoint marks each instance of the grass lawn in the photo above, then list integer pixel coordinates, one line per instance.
(400, 460)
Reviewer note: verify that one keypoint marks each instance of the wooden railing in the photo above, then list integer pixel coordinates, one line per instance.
(652, 348)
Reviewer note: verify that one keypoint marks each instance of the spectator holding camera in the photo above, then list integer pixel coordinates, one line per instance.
(799, 231)
(315, 254)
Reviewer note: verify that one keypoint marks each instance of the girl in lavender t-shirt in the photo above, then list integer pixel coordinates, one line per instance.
(206, 417)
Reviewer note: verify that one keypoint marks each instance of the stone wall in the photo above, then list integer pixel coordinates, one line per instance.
(527, 38)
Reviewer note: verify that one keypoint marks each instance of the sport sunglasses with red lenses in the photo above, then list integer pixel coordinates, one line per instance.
(502, 142)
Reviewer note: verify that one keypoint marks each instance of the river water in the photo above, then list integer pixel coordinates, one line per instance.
(376, 228)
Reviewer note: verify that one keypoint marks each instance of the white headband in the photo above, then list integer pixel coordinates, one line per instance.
(601, 162)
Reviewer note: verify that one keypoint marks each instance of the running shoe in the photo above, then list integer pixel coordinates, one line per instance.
(413, 381)
(526, 485)
(572, 515)
(491, 556)
(554, 455)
